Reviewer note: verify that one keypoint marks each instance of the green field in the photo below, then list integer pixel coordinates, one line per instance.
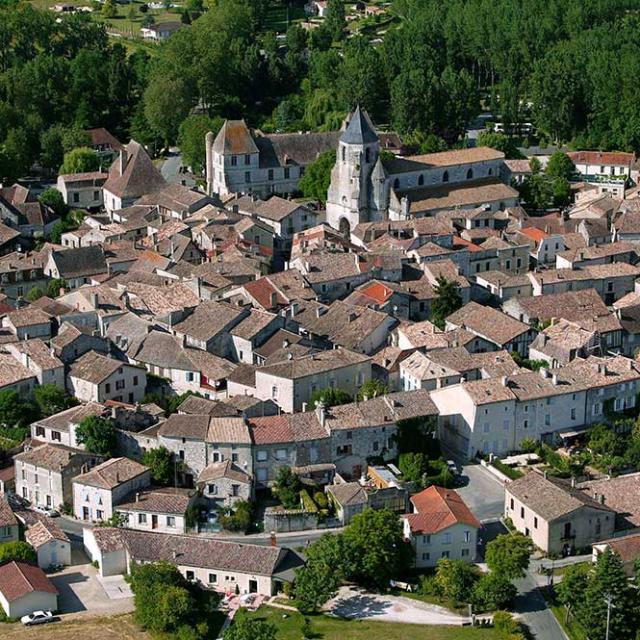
(289, 626)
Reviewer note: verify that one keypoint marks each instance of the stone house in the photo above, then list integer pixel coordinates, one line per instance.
(44, 474)
(82, 190)
(9, 527)
(76, 266)
(97, 378)
(74, 341)
(36, 356)
(28, 322)
(252, 331)
(97, 492)
(224, 484)
(555, 515)
(16, 376)
(60, 428)
(441, 526)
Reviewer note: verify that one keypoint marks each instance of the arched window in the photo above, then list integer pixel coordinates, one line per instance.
(344, 153)
(344, 199)
(470, 174)
(396, 184)
(420, 180)
(366, 154)
(445, 176)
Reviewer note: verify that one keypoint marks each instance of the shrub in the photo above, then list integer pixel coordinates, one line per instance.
(307, 503)
(321, 500)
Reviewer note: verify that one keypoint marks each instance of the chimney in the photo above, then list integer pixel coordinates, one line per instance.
(504, 381)
(294, 309)
(117, 477)
(285, 343)
(321, 413)
(94, 299)
(272, 539)
(544, 474)
(544, 372)
(273, 299)
(554, 379)
(122, 162)
(573, 482)
(304, 407)
(601, 498)
(137, 496)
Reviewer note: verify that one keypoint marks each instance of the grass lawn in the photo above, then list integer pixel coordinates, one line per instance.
(325, 628)
(111, 628)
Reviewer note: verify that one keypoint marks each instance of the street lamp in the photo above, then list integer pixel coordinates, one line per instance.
(608, 600)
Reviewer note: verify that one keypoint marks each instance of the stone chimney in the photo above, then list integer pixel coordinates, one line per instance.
(321, 413)
(137, 496)
(272, 539)
(122, 161)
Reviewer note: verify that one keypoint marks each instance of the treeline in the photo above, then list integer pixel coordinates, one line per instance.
(569, 66)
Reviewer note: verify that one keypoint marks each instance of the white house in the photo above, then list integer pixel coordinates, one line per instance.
(82, 190)
(441, 526)
(96, 378)
(25, 589)
(51, 544)
(96, 493)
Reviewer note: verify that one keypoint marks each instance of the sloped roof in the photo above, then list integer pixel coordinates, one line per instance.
(19, 579)
(111, 473)
(437, 509)
(81, 261)
(140, 176)
(234, 138)
(359, 130)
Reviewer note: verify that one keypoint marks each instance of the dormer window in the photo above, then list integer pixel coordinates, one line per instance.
(470, 174)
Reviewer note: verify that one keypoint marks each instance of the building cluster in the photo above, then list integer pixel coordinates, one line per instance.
(256, 303)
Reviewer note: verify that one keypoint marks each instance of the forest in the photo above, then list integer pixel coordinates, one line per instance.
(568, 66)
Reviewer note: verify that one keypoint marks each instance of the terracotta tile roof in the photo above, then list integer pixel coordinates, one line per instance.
(7, 519)
(19, 579)
(28, 316)
(112, 473)
(185, 426)
(438, 509)
(615, 158)
(226, 469)
(234, 138)
(11, 371)
(43, 532)
(232, 429)
(314, 364)
(55, 457)
(160, 500)
(627, 547)
(348, 493)
(622, 494)
(95, 367)
(271, 430)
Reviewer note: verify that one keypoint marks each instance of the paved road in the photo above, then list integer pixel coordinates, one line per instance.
(170, 169)
(484, 493)
(533, 611)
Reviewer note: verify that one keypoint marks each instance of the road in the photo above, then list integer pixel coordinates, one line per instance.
(170, 170)
(532, 609)
(483, 493)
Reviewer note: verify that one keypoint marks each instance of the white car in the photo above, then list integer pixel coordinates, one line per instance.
(37, 617)
(46, 511)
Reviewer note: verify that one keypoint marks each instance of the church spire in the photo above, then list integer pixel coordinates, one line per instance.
(359, 130)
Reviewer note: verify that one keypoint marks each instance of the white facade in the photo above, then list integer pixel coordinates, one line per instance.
(457, 542)
(127, 384)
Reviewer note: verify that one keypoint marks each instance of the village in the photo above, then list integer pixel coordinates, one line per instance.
(263, 379)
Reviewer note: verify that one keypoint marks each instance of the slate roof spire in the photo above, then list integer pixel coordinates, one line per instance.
(359, 130)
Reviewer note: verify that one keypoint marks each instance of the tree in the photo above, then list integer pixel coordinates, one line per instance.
(448, 300)
(81, 160)
(167, 101)
(329, 397)
(191, 135)
(238, 517)
(317, 176)
(372, 389)
(560, 166)
(508, 555)
(609, 580)
(51, 399)
(413, 466)
(53, 199)
(455, 579)
(537, 191)
(109, 9)
(571, 591)
(14, 411)
(244, 628)
(335, 21)
(18, 551)
(375, 548)
(34, 294)
(287, 488)
(499, 141)
(54, 286)
(160, 462)
(493, 591)
(98, 435)
(315, 584)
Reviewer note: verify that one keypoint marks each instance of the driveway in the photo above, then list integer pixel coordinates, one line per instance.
(354, 605)
(80, 592)
(483, 493)
(170, 169)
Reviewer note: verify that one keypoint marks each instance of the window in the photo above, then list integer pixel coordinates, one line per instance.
(522, 512)
(235, 490)
(573, 413)
(535, 522)
(445, 176)
(281, 454)
(487, 427)
(247, 176)
(446, 554)
(470, 174)
(76, 197)
(171, 521)
(96, 195)
(446, 538)
(189, 376)
(119, 384)
(99, 514)
(526, 424)
(135, 381)
(465, 553)
(142, 518)
(375, 445)
(107, 388)
(426, 556)
(270, 174)
(261, 475)
(286, 173)
(261, 456)
(274, 391)
(234, 457)
(213, 578)
(467, 536)
(349, 435)
(420, 180)
(55, 435)
(511, 504)
(344, 153)
(426, 539)
(247, 159)
(396, 184)
(212, 489)
(234, 161)
(190, 575)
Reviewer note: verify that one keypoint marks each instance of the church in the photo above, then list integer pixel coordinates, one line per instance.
(368, 186)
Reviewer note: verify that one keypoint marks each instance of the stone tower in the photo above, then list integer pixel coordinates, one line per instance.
(349, 200)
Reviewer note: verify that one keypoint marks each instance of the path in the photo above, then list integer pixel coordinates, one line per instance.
(353, 604)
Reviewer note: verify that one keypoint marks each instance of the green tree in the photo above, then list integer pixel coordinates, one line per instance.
(54, 286)
(53, 198)
(80, 160)
(560, 166)
(455, 579)
(448, 300)
(493, 591)
(317, 176)
(34, 294)
(329, 397)
(191, 135)
(537, 191)
(375, 548)
(413, 466)
(316, 583)
(244, 628)
(609, 580)
(109, 9)
(499, 141)
(335, 21)
(508, 555)
(167, 101)
(238, 517)
(160, 462)
(52, 399)
(19, 551)
(98, 435)
(14, 411)
(287, 488)
(571, 591)
(372, 389)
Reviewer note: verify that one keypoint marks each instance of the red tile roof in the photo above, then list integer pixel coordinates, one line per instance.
(271, 430)
(19, 579)
(439, 509)
(535, 234)
(598, 157)
(378, 292)
(461, 242)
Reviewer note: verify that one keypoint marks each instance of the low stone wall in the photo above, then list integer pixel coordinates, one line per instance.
(285, 520)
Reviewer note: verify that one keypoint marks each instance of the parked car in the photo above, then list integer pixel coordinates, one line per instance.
(453, 467)
(46, 511)
(37, 617)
